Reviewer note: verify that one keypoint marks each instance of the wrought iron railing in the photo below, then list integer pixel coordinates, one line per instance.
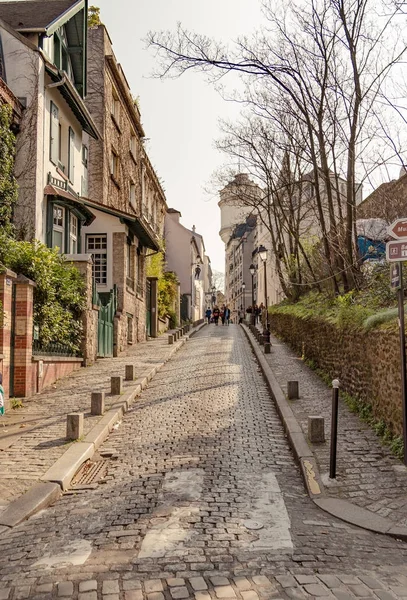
(53, 349)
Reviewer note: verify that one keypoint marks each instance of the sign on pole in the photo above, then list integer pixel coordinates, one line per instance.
(395, 276)
(396, 251)
(398, 229)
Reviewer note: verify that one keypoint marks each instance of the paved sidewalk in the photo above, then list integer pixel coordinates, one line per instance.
(32, 438)
(368, 475)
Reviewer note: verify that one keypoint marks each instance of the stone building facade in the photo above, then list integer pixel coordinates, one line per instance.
(123, 192)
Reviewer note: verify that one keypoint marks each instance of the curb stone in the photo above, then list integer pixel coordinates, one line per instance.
(60, 474)
(336, 507)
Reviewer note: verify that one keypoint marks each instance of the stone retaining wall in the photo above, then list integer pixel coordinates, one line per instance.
(366, 363)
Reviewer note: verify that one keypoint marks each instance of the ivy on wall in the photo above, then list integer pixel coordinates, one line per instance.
(59, 293)
(8, 184)
(167, 286)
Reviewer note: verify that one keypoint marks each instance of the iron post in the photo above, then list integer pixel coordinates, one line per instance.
(403, 359)
(334, 428)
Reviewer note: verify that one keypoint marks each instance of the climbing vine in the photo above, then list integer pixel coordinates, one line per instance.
(8, 184)
(167, 286)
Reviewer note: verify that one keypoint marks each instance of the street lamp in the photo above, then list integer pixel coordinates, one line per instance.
(244, 300)
(252, 270)
(262, 251)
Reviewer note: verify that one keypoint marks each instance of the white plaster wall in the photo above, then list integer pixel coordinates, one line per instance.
(178, 252)
(104, 223)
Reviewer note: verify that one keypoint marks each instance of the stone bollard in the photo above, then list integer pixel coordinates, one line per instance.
(267, 348)
(116, 385)
(97, 403)
(170, 339)
(129, 372)
(74, 426)
(292, 390)
(316, 429)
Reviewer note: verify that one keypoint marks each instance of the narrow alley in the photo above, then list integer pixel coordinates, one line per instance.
(201, 499)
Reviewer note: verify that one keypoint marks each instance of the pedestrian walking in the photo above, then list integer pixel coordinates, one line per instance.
(208, 315)
(2, 397)
(222, 314)
(227, 315)
(216, 314)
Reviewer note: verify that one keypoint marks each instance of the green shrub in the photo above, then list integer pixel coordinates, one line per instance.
(59, 293)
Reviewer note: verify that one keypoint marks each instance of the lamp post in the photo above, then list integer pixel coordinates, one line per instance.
(263, 256)
(252, 270)
(244, 300)
(213, 296)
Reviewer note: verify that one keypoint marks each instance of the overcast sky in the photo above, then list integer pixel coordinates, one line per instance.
(180, 116)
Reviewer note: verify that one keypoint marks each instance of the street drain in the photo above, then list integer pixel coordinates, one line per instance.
(90, 472)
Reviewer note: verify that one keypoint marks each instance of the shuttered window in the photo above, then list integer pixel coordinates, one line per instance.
(54, 134)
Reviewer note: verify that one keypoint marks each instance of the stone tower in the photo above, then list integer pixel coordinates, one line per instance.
(232, 203)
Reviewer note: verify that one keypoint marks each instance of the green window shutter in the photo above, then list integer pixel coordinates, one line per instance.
(54, 134)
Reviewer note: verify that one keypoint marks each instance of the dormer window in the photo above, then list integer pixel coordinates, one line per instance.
(61, 53)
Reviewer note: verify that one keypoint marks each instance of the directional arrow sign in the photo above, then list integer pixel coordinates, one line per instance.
(398, 229)
(396, 251)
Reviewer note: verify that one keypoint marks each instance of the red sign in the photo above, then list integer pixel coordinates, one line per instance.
(398, 229)
(396, 251)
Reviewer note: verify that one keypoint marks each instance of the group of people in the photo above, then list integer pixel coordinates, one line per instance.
(217, 313)
(256, 311)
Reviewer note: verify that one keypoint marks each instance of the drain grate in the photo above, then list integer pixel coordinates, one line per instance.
(90, 472)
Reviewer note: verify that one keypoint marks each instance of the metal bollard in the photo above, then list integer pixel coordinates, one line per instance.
(170, 339)
(74, 426)
(292, 390)
(97, 403)
(267, 347)
(334, 428)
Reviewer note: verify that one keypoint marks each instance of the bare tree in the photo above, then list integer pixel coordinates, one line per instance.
(327, 65)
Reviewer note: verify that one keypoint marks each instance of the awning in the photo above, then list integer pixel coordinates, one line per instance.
(76, 205)
(144, 233)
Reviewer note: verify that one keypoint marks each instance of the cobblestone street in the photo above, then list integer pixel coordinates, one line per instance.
(202, 499)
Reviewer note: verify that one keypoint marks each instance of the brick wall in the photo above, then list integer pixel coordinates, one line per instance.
(366, 363)
(47, 370)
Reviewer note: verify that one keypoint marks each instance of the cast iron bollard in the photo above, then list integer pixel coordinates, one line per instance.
(129, 372)
(316, 429)
(97, 403)
(74, 426)
(116, 385)
(334, 428)
(267, 347)
(292, 390)
(170, 339)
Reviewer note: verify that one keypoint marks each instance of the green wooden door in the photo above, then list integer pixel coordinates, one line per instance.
(148, 307)
(107, 309)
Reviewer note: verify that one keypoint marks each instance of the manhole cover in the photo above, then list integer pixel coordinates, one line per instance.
(90, 472)
(251, 524)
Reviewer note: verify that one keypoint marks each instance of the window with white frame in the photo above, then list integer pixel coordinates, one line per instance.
(54, 146)
(97, 246)
(73, 234)
(58, 227)
(71, 154)
(84, 180)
